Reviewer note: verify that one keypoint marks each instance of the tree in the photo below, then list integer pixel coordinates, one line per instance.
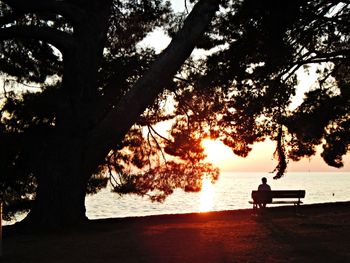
(88, 115)
(253, 78)
(107, 92)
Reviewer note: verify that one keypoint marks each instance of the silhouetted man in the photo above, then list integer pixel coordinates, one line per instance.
(264, 187)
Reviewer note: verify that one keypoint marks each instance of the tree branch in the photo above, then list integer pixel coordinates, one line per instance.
(69, 11)
(159, 135)
(150, 129)
(9, 18)
(118, 121)
(319, 58)
(63, 41)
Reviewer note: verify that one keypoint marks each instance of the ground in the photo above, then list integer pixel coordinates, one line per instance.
(317, 233)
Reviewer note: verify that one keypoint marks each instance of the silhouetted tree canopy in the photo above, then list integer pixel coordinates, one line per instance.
(82, 101)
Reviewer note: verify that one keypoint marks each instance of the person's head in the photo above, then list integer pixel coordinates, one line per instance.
(264, 180)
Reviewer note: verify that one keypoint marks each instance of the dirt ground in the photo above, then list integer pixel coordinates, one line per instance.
(318, 233)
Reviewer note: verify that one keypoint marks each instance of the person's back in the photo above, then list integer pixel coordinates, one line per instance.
(264, 187)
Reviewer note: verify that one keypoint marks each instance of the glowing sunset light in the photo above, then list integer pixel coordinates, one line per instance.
(217, 153)
(206, 196)
(260, 159)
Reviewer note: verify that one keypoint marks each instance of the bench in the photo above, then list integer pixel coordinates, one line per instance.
(269, 197)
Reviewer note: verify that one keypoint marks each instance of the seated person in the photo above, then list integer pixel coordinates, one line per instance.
(264, 187)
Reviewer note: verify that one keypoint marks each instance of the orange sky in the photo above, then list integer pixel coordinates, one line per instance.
(261, 160)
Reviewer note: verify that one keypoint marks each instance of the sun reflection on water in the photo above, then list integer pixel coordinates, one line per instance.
(206, 196)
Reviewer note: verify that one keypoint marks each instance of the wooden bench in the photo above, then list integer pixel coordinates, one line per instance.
(269, 197)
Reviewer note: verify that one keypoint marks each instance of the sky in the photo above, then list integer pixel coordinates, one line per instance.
(261, 157)
(178, 5)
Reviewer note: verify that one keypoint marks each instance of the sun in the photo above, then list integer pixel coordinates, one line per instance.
(217, 152)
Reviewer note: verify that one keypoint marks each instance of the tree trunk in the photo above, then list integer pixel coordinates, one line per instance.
(60, 199)
(62, 176)
(74, 152)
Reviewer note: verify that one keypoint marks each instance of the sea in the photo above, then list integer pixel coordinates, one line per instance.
(231, 191)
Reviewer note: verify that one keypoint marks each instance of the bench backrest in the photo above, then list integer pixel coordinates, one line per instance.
(267, 196)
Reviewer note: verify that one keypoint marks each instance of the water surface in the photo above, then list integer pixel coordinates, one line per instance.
(231, 191)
